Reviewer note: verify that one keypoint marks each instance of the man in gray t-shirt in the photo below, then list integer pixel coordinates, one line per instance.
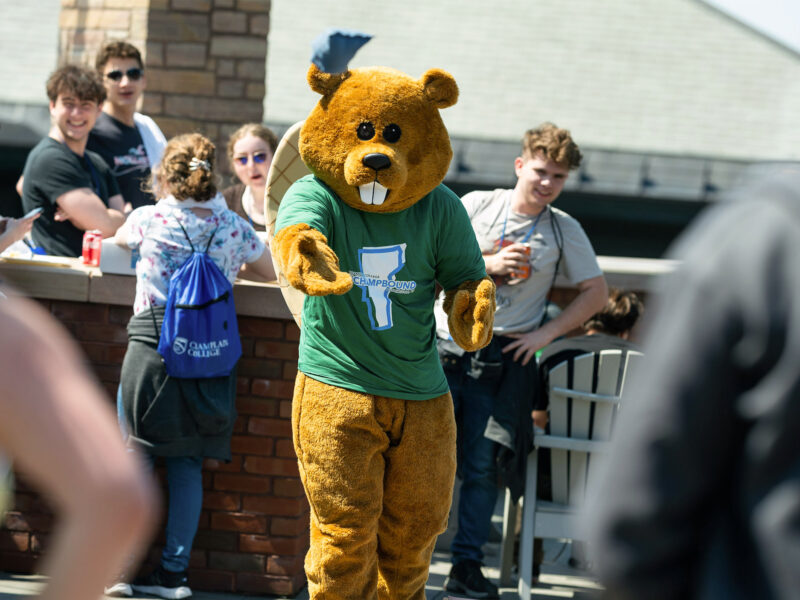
(525, 243)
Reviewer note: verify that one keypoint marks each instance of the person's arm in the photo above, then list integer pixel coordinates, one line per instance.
(59, 429)
(121, 237)
(540, 418)
(592, 297)
(260, 269)
(118, 203)
(15, 230)
(18, 187)
(86, 211)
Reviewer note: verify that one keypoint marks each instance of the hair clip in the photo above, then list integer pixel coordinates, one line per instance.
(196, 163)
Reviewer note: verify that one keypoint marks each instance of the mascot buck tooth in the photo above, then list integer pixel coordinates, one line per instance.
(366, 237)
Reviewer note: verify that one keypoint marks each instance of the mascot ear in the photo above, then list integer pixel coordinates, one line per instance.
(325, 83)
(440, 88)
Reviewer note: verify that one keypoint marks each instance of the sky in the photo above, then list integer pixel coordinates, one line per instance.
(777, 19)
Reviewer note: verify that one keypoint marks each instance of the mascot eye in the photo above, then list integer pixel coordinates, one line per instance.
(391, 133)
(366, 131)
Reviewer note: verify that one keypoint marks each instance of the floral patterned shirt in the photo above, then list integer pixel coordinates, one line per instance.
(154, 231)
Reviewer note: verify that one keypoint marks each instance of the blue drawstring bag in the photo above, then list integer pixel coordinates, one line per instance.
(200, 334)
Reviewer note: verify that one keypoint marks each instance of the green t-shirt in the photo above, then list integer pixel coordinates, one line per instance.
(379, 338)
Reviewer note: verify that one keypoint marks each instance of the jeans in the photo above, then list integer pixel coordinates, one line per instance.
(121, 421)
(472, 400)
(185, 483)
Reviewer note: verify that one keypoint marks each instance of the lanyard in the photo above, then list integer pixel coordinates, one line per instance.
(530, 231)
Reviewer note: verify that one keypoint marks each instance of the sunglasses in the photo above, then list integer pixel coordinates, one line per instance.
(259, 158)
(134, 74)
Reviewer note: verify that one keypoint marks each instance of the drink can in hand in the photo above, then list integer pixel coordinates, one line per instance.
(525, 271)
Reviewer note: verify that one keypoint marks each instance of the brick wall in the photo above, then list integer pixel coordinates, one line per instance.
(253, 531)
(204, 59)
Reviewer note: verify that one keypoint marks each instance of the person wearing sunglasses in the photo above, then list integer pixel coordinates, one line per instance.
(128, 141)
(250, 151)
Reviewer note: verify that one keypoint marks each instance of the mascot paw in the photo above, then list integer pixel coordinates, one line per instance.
(470, 313)
(308, 262)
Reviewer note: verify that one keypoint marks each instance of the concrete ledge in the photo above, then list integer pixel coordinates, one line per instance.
(106, 288)
(73, 281)
(637, 274)
(260, 300)
(633, 274)
(69, 281)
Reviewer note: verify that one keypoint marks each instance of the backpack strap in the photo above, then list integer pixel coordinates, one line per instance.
(208, 245)
(188, 239)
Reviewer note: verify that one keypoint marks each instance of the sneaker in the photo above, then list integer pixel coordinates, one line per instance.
(164, 584)
(120, 589)
(466, 578)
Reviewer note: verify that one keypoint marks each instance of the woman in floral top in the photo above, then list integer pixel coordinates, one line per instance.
(182, 420)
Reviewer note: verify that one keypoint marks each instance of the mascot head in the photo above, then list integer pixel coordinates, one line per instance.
(375, 137)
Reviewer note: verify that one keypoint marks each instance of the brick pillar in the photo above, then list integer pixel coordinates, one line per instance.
(204, 59)
(84, 26)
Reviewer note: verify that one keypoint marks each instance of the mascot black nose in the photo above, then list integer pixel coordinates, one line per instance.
(376, 161)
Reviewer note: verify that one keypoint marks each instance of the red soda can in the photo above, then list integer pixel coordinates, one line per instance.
(92, 246)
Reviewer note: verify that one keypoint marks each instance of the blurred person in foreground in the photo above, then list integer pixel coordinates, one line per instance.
(701, 495)
(59, 430)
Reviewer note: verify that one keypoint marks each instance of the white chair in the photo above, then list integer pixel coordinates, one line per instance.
(584, 394)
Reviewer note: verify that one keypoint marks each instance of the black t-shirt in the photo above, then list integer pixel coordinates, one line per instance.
(122, 148)
(52, 170)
